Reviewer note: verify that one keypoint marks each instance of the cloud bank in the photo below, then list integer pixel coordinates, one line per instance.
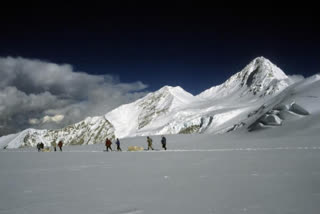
(39, 94)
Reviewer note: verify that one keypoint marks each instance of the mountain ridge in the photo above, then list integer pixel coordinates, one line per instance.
(235, 104)
(89, 131)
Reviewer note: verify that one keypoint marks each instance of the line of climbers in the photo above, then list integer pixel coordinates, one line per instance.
(163, 142)
(108, 143)
(149, 141)
(40, 146)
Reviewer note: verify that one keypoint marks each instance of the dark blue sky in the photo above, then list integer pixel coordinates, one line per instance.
(193, 48)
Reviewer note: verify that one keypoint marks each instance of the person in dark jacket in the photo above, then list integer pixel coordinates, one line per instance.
(41, 145)
(164, 142)
(60, 144)
(108, 144)
(118, 144)
(38, 147)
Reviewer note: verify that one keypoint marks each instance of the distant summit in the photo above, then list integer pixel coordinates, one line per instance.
(260, 77)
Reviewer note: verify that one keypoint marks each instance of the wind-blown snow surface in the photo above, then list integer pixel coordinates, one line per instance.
(274, 171)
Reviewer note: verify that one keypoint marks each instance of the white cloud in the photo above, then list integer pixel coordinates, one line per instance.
(34, 121)
(34, 91)
(56, 118)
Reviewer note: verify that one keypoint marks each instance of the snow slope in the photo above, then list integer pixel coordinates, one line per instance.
(273, 171)
(296, 102)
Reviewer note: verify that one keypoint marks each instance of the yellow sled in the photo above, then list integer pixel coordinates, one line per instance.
(135, 148)
(46, 150)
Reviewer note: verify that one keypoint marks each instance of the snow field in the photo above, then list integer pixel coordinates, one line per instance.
(235, 173)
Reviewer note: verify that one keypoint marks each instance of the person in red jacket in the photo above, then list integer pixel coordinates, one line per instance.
(60, 144)
(108, 144)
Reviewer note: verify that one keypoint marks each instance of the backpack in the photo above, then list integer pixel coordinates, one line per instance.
(108, 142)
(163, 141)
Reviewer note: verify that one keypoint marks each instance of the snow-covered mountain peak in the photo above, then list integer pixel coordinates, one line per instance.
(176, 92)
(130, 118)
(170, 90)
(259, 69)
(260, 77)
